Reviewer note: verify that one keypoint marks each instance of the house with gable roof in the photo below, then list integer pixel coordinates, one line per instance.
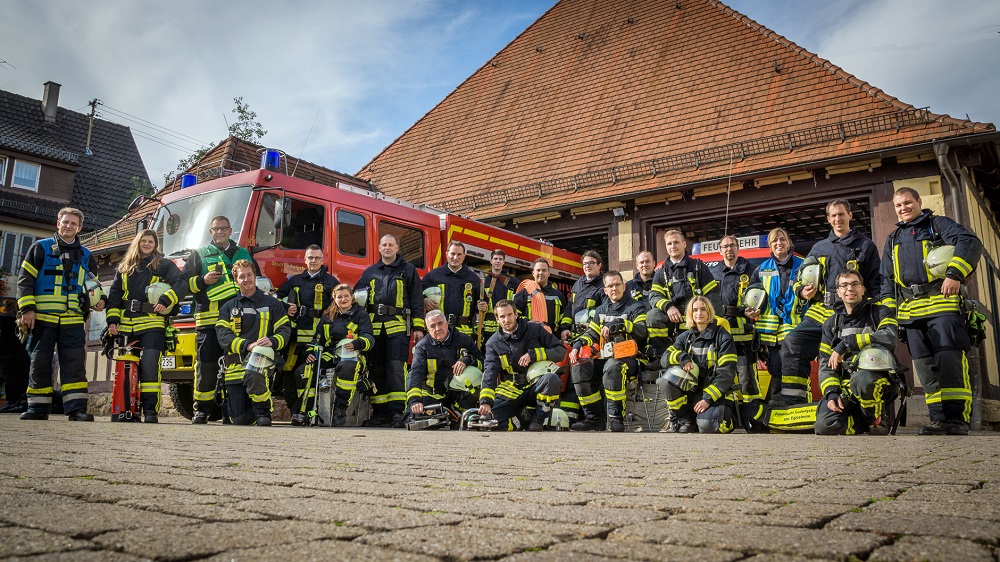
(607, 122)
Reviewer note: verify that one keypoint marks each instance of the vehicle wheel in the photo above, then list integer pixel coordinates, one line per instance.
(182, 395)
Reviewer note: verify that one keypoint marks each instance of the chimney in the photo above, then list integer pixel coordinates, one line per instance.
(50, 101)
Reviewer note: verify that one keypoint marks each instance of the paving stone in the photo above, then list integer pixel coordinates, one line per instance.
(683, 505)
(318, 551)
(901, 523)
(752, 540)
(934, 549)
(80, 556)
(352, 514)
(642, 551)
(205, 539)
(19, 541)
(460, 543)
(561, 531)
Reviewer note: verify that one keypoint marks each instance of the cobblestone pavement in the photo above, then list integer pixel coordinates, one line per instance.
(112, 491)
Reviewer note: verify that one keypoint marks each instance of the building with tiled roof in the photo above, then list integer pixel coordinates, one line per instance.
(46, 164)
(606, 122)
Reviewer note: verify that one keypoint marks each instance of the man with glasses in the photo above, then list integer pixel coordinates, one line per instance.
(641, 283)
(211, 282)
(855, 394)
(620, 319)
(586, 296)
(306, 295)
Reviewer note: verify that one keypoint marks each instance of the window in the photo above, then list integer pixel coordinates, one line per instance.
(411, 241)
(13, 247)
(265, 234)
(306, 227)
(3, 170)
(351, 234)
(25, 175)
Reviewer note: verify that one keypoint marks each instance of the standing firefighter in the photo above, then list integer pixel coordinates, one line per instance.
(252, 328)
(844, 248)
(460, 287)
(145, 290)
(56, 290)
(674, 284)
(395, 304)
(733, 274)
(307, 295)
(701, 369)
(641, 284)
(211, 282)
(587, 296)
(782, 311)
(926, 261)
(855, 362)
(497, 286)
(556, 317)
(520, 371)
(621, 324)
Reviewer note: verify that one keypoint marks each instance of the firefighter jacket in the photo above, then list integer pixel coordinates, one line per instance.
(639, 289)
(394, 292)
(587, 294)
(128, 305)
(555, 305)
(625, 320)
(674, 284)
(208, 298)
(244, 320)
(733, 283)
(354, 325)
(495, 289)
(784, 307)
(433, 361)
(854, 250)
(714, 351)
(868, 324)
(312, 294)
(461, 292)
(51, 282)
(503, 350)
(905, 280)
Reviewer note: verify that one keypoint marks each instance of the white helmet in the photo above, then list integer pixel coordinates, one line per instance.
(754, 299)
(261, 360)
(874, 358)
(937, 260)
(434, 293)
(156, 290)
(93, 287)
(539, 368)
(343, 353)
(469, 381)
(685, 380)
(558, 419)
(265, 285)
(812, 274)
(361, 297)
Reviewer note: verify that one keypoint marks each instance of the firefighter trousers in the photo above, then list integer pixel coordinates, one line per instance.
(864, 403)
(247, 400)
(617, 373)
(746, 372)
(511, 401)
(206, 369)
(774, 370)
(588, 385)
(661, 332)
(152, 343)
(718, 418)
(387, 371)
(938, 345)
(799, 348)
(68, 341)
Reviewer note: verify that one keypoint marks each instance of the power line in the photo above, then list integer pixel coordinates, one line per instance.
(160, 141)
(166, 130)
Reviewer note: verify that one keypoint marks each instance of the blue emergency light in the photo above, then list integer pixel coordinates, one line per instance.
(187, 180)
(270, 160)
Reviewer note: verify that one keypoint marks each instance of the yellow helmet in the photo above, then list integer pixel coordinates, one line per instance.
(93, 287)
(470, 380)
(755, 298)
(156, 290)
(937, 260)
(434, 294)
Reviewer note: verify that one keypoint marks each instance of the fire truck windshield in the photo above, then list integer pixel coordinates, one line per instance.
(183, 225)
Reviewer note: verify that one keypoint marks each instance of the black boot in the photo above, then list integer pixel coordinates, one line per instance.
(339, 416)
(591, 420)
(615, 422)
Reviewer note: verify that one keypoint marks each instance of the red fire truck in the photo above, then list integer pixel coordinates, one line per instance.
(276, 216)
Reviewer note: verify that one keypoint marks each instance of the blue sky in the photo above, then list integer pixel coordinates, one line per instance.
(365, 71)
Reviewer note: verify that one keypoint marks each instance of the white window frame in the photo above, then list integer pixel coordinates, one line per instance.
(37, 176)
(3, 169)
(20, 249)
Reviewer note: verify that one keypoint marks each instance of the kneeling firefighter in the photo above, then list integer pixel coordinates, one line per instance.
(251, 320)
(440, 360)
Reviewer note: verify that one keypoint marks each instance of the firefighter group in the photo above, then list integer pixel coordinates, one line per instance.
(495, 353)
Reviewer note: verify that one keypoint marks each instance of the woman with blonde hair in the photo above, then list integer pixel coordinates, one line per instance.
(701, 370)
(145, 290)
(345, 331)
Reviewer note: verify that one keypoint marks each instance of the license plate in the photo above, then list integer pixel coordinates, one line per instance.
(168, 362)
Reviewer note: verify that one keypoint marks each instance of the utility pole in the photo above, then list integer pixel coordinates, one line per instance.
(90, 128)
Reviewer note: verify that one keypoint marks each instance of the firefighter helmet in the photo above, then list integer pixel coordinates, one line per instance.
(937, 260)
(343, 353)
(261, 360)
(755, 298)
(685, 380)
(156, 290)
(93, 288)
(558, 420)
(468, 381)
(539, 368)
(874, 358)
(811, 272)
(361, 297)
(434, 294)
(265, 285)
